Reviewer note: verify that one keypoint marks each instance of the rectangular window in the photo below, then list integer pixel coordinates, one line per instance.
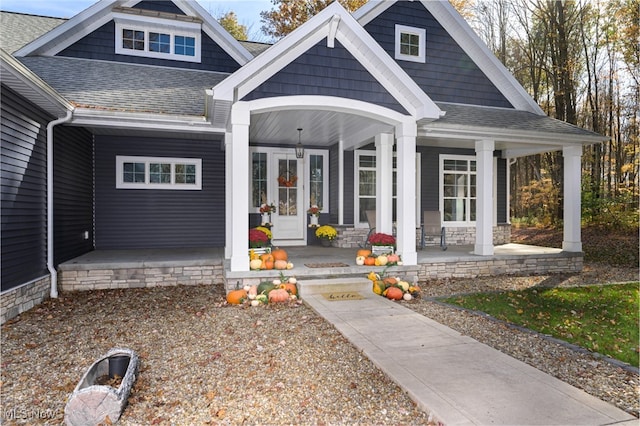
(132, 39)
(159, 42)
(158, 38)
(458, 183)
(158, 173)
(259, 191)
(185, 46)
(410, 43)
(316, 180)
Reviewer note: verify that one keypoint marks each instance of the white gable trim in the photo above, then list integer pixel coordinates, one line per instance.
(100, 13)
(469, 41)
(354, 38)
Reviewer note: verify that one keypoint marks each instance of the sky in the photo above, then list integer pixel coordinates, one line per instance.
(248, 11)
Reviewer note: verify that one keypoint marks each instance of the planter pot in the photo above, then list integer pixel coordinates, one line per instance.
(325, 242)
(313, 220)
(261, 250)
(266, 218)
(118, 365)
(382, 249)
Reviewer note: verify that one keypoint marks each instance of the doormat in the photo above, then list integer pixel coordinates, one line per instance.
(342, 295)
(326, 265)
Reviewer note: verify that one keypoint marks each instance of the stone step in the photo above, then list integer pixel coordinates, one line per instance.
(327, 285)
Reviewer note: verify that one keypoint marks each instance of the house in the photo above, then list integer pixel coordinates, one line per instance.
(144, 124)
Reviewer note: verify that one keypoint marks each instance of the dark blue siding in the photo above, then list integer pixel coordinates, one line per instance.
(73, 192)
(448, 75)
(23, 190)
(100, 44)
(328, 72)
(349, 194)
(130, 218)
(159, 6)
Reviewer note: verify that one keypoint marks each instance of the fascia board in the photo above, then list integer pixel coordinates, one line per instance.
(478, 51)
(370, 10)
(529, 137)
(56, 40)
(217, 33)
(116, 119)
(9, 65)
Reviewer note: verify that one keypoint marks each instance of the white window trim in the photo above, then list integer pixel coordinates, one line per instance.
(121, 184)
(443, 157)
(325, 178)
(150, 24)
(422, 44)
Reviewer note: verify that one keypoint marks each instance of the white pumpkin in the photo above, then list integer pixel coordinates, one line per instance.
(407, 296)
(289, 265)
(255, 264)
(360, 260)
(293, 280)
(382, 260)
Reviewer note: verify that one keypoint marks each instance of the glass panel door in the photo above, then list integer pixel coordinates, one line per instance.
(288, 221)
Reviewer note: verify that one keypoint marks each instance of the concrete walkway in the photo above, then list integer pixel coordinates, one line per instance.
(457, 379)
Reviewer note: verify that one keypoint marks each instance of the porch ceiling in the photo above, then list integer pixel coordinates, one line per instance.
(320, 128)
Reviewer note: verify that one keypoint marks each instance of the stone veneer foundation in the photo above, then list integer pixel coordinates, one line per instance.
(15, 301)
(71, 279)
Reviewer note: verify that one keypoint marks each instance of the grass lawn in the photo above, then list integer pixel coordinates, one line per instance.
(603, 319)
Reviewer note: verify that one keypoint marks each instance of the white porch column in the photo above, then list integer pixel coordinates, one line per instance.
(228, 212)
(384, 183)
(340, 182)
(238, 187)
(484, 197)
(572, 189)
(406, 133)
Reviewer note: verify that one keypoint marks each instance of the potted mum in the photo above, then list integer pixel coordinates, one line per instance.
(258, 238)
(382, 243)
(314, 213)
(326, 234)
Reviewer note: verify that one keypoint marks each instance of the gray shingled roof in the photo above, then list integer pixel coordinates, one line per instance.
(126, 87)
(19, 29)
(254, 47)
(458, 116)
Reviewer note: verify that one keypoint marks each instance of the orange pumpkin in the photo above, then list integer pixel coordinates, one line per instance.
(266, 256)
(394, 293)
(290, 288)
(389, 281)
(279, 254)
(279, 295)
(268, 264)
(280, 264)
(363, 252)
(236, 297)
(370, 261)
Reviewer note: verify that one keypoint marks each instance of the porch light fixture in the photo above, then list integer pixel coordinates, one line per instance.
(299, 147)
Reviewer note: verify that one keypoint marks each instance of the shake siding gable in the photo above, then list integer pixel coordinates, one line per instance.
(148, 218)
(100, 44)
(328, 72)
(448, 75)
(72, 193)
(23, 190)
(159, 6)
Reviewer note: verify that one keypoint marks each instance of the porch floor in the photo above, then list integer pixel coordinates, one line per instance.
(101, 269)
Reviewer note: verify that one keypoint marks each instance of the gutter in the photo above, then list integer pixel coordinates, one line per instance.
(50, 265)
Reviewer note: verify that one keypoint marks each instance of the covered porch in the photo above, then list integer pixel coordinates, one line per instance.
(121, 269)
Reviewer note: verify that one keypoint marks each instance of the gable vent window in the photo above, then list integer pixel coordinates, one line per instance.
(158, 38)
(410, 44)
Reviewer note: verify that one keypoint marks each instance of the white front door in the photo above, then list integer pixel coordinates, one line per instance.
(288, 220)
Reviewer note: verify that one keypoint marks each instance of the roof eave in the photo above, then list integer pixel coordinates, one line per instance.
(32, 87)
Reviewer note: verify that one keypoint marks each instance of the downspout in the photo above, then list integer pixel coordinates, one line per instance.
(50, 265)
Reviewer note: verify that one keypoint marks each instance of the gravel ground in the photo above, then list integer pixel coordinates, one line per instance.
(205, 362)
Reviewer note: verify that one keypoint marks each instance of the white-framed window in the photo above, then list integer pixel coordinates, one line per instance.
(157, 38)
(365, 185)
(318, 178)
(410, 43)
(458, 189)
(158, 173)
